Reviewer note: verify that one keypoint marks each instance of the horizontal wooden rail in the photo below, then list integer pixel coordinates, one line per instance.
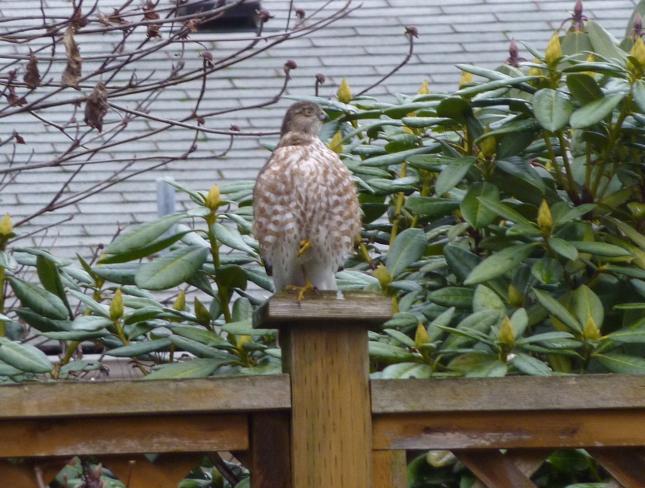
(141, 397)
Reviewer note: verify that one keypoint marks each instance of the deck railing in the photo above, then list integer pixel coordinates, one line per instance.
(323, 423)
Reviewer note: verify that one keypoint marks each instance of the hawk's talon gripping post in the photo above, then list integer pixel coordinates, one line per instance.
(305, 245)
(302, 290)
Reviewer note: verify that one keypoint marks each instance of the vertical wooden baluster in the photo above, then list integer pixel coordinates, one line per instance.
(270, 454)
(389, 469)
(324, 349)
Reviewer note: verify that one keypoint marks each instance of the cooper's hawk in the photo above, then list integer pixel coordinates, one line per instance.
(306, 209)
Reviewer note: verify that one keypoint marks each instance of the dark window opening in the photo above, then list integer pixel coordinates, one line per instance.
(242, 17)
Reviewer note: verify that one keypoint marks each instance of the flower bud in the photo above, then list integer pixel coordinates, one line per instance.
(6, 225)
(382, 274)
(553, 50)
(213, 198)
(336, 143)
(344, 93)
(424, 89)
(591, 330)
(116, 307)
(506, 335)
(201, 313)
(515, 297)
(180, 301)
(545, 219)
(637, 209)
(638, 52)
(421, 336)
(488, 146)
(465, 79)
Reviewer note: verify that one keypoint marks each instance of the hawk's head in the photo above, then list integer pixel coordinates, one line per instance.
(303, 117)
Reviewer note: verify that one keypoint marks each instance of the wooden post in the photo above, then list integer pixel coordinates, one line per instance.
(324, 349)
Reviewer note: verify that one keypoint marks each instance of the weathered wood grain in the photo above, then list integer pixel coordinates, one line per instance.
(512, 393)
(64, 399)
(627, 466)
(504, 430)
(330, 416)
(270, 450)
(123, 435)
(494, 469)
(137, 472)
(389, 469)
(363, 309)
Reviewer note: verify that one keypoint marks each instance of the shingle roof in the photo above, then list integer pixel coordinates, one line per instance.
(361, 47)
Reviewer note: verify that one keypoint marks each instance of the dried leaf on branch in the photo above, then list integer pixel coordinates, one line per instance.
(96, 107)
(149, 13)
(72, 73)
(32, 75)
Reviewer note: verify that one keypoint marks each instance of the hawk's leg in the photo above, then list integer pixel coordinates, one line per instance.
(302, 290)
(305, 245)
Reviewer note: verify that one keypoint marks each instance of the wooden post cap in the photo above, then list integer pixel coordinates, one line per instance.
(324, 308)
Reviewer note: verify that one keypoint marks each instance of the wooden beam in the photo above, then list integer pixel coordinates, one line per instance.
(324, 349)
(504, 430)
(123, 435)
(73, 399)
(512, 393)
(494, 469)
(627, 466)
(270, 450)
(389, 469)
(365, 309)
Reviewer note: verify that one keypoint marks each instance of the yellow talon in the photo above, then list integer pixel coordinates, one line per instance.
(305, 245)
(302, 290)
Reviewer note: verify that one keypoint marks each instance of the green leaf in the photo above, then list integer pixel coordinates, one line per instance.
(97, 308)
(558, 310)
(388, 352)
(24, 357)
(493, 85)
(499, 263)
(594, 112)
(122, 274)
(474, 327)
(530, 365)
(38, 299)
(195, 368)
(552, 109)
(506, 211)
(171, 269)
(478, 365)
(159, 244)
(460, 261)
(600, 248)
(586, 303)
(50, 278)
(487, 299)
(407, 248)
(142, 235)
(636, 237)
(90, 323)
(621, 363)
(139, 348)
(199, 349)
(200, 335)
(398, 157)
(634, 335)
(407, 370)
(475, 213)
(603, 42)
(442, 320)
(231, 238)
(430, 207)
(232, 276)
(76, 335)
(639, 94)
(453, 172)
(563, 248)
(583, 87)
(453, 296)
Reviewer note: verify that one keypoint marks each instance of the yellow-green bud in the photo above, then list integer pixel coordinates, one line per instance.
(637, 209)
(638, 52)
(488, 146)
(383, 276)
(465, 79)
(553, 50)
(534, 70)
(344, 93)
(515, 297)
(424, 89)
(201, 313)
(180, 301)
(213, 198)
(506, 335)
(242, 340)
(116, 307)
(421, 336)
(336, 143)
(6, 225)
(591, 330)
(545, 219)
